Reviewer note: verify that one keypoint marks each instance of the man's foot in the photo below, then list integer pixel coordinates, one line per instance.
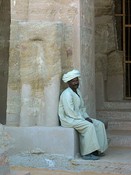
(90, 157)
(98, 153)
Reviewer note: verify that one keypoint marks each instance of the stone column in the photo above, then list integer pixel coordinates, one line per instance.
(37, 63)
(34, 73)
(40, 68)
(87, 62)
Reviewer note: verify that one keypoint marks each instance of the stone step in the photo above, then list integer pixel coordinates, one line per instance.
(119, 125)
(39, 140)
(126, 105)
(117, 161)
(111, 115)
(119, 138)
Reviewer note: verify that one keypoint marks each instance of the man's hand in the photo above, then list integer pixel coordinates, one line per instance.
(89, 120)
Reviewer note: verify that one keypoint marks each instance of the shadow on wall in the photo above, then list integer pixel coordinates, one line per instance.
(5, 19)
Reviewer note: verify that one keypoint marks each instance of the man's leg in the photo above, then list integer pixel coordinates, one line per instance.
(101, 134)
(88, 137)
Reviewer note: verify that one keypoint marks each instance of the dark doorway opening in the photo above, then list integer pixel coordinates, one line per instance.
(123, 26)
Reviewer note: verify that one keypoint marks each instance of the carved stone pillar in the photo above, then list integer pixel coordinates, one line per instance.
(39, 60)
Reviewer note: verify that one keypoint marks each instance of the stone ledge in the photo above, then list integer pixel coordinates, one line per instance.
(49, 140)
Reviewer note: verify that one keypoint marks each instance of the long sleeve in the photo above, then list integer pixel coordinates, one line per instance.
(82, 107)
(69, 106)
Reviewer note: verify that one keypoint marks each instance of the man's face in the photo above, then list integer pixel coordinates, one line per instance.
(74, 83)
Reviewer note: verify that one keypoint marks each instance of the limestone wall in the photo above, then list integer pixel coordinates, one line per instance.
(42, 40)
(109, 70)
(34, 89)
(4, 55)
(65, 11)
(48, 38)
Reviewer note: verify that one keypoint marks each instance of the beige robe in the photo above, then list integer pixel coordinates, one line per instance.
(72, 114)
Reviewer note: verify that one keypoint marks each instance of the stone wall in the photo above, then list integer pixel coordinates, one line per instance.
(48, 38)
(109, 70)
(42, 40)
(66, 11)
(38, 67)
(4, 55)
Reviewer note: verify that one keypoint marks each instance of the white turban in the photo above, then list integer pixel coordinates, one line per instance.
(70, 75)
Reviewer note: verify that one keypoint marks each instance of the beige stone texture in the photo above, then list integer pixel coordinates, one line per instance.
(66, 11)
(100, 91)
(115, 88)
(19, 10)
(103, 7)
(101, 64)
(44, 140)
(115, 76)
(115, 66)
(55, 10)
(37, 65)
(87, 62)
(104, 34)
(6, 140)
(28, 41)
(28, 44)
(117, 161)
(4, 164)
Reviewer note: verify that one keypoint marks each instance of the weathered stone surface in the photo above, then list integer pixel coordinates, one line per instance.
(5, 145)
(38, 67)
(4, 164)
(115, 66)
(104, 35)
(55, 10)
(44, 140)
(87, 62)
(5, 140)
(101, 64)
(103, 7)
(30, 42)
(19, 9)
(66, 11)
(34, 46)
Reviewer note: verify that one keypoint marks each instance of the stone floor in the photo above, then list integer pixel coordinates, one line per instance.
(116, 162)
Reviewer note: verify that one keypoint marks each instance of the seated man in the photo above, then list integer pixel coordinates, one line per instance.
(72, 113)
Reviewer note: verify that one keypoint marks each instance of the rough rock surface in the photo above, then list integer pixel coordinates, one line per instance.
(116, 161)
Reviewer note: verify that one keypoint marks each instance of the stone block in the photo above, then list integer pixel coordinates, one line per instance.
(48, 140)
(38, 52)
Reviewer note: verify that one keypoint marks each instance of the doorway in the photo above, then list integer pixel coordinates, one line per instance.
(123, 25)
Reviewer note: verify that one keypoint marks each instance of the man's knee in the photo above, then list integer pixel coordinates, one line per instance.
(104, 124)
